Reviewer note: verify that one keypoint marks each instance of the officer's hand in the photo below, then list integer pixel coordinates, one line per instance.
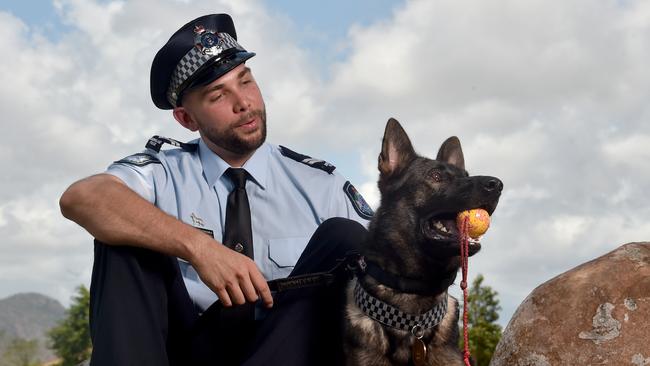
(234, 277)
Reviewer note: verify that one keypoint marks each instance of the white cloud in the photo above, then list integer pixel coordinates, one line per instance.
(632, 150)
(564, 230)
(369, 189)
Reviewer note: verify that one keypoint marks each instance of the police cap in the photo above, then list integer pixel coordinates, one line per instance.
(197, 54)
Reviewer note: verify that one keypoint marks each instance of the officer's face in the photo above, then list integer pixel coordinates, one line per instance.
(229, 113)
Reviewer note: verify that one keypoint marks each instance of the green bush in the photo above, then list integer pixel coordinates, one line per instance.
(70, 339)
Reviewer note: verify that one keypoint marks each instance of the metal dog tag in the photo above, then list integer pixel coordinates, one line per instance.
(419, 353)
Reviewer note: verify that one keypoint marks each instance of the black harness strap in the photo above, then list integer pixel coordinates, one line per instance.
(410, 285)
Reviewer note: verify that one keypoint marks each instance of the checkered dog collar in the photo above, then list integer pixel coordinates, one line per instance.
(395, 318)
(209, 47)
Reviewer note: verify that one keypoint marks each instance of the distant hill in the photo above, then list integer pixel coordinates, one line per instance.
(29, 316)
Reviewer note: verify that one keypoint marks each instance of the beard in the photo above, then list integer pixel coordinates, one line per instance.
(238, 143)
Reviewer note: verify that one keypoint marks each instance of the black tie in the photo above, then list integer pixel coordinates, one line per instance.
(238, 234)
(238, 321)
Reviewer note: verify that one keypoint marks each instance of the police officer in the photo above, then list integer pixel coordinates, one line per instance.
(165, 290)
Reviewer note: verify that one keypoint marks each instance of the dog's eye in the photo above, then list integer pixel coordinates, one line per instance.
(436, 176)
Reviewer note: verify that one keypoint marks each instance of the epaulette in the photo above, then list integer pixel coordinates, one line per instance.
(139, 159)
(156, 142)
(307, 160)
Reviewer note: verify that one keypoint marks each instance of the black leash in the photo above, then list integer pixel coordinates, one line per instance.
(348, 266)
(354, 264)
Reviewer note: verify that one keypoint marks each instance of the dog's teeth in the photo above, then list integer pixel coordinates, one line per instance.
(440, 227)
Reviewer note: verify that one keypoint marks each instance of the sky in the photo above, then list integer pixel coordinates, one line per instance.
(553, 100)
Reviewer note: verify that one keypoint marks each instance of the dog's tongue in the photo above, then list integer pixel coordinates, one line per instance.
(478, 222)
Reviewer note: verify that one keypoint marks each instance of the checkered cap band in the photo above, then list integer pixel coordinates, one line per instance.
(393, 317)
(193, 60)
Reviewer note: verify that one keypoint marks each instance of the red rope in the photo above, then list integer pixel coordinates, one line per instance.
(464, 254)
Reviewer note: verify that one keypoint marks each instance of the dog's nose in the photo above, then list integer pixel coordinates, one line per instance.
(493, 184)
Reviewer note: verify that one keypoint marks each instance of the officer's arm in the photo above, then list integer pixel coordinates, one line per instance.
(114, 214)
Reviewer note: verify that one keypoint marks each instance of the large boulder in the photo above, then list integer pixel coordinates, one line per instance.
(595, 314)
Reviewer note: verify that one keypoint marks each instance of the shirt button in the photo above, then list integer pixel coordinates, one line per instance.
(239, 247)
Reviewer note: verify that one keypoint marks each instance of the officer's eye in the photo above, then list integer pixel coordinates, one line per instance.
(215, 97)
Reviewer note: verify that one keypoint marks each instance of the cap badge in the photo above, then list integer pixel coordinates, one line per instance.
(207, 42)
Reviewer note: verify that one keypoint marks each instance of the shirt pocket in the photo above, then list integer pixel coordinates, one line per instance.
(285, 252)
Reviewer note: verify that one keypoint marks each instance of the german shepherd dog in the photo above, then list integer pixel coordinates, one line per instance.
(400, 306)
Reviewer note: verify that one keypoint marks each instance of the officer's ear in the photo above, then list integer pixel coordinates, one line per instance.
(185, 118)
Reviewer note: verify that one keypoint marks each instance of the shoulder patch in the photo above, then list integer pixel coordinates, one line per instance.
(139, 159)
(360, 205)
(307, 160)
(156, 142)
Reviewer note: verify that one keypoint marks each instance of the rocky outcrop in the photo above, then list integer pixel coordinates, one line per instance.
(595, 314)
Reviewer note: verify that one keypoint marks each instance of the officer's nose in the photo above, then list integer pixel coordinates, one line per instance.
(241, 103)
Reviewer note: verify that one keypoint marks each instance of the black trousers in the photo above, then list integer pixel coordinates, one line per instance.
(141, 313)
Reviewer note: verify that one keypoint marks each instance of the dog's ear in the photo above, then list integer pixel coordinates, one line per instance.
(451, 153)
(396, 149)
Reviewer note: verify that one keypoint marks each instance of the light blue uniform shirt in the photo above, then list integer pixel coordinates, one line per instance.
(288, 200)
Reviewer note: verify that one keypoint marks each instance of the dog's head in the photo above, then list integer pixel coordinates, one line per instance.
(414, 229)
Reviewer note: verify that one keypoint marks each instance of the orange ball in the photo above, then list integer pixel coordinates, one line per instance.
(479, 221)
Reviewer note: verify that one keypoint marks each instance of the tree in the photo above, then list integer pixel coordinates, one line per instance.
(3, 340)
(20, 352)
(70, 339)
(484, 332)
